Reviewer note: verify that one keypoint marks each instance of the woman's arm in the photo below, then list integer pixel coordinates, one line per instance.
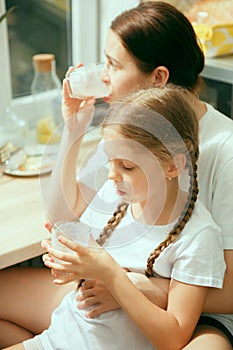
(94, 293)
(166, 329)
(64, 199)
(220, 300)
(156, 290)
(217, 301)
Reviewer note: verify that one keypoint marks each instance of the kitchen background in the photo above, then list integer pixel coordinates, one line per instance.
(75, 30)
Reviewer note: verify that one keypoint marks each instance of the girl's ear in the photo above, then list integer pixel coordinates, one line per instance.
(160, 76)
(176, 166)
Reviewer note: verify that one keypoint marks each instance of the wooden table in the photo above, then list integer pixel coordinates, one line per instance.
(22, 216)
(22, 219)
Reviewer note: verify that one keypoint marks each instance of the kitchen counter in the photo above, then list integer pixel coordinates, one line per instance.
(220, 69)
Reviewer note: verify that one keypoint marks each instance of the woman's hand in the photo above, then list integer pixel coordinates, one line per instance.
(94, 293)
(77, 114)
(72, 106)
(87, 262)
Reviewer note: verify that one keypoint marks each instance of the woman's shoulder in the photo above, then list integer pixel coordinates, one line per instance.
(216, 138)
(214, 121)
(201, 222)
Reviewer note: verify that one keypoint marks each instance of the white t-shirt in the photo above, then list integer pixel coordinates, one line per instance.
(215, 170)
(196, 257)
(132, 242)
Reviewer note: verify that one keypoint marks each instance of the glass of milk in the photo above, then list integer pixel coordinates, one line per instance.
(74, 230)
(88, 81)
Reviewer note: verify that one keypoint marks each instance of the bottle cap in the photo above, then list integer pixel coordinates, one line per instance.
(43, 62)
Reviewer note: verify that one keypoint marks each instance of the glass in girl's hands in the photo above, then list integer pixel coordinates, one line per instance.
(74, 230)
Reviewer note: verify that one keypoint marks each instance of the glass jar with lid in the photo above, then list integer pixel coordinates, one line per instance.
(46, 93)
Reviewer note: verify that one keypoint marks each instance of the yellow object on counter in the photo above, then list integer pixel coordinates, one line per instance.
(216, 40)
(47, 131)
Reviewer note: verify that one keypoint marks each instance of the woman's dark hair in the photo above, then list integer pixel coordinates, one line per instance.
(157, 34)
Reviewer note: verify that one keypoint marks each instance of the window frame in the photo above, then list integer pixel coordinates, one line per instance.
(5, 81)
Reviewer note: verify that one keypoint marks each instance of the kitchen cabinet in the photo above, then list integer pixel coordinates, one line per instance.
(218, 84)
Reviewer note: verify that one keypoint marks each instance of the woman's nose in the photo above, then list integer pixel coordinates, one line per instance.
(105, 74)
(113, 173)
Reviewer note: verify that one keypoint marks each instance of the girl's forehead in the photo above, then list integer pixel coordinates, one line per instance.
(118, 146)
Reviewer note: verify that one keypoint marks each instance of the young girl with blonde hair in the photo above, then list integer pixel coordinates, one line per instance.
(150, 139)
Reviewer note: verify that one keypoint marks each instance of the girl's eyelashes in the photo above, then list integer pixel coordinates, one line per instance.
(129, 168)
(127, 165)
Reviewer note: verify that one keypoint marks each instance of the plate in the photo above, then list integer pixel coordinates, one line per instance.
(35, 162)
(25, 173)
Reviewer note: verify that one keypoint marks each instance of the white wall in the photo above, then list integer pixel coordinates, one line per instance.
(84, 31)
(91, 20)
(108, 10)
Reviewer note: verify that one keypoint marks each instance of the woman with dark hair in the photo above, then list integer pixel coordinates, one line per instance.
(150, 45)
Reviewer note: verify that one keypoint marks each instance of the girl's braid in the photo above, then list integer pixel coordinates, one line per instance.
(184, 217)
(112, 223)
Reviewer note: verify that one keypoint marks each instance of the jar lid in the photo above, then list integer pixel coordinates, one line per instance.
(43, 62)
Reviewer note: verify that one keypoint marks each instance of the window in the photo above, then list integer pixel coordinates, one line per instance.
(32, 27)
(35, 27)
(74, 30)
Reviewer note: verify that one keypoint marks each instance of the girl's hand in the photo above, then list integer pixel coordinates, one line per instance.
(48, 258)
(87, 262)
(46, 243)
(48, 226)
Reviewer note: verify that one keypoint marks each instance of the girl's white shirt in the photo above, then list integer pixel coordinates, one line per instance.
(196, 257)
